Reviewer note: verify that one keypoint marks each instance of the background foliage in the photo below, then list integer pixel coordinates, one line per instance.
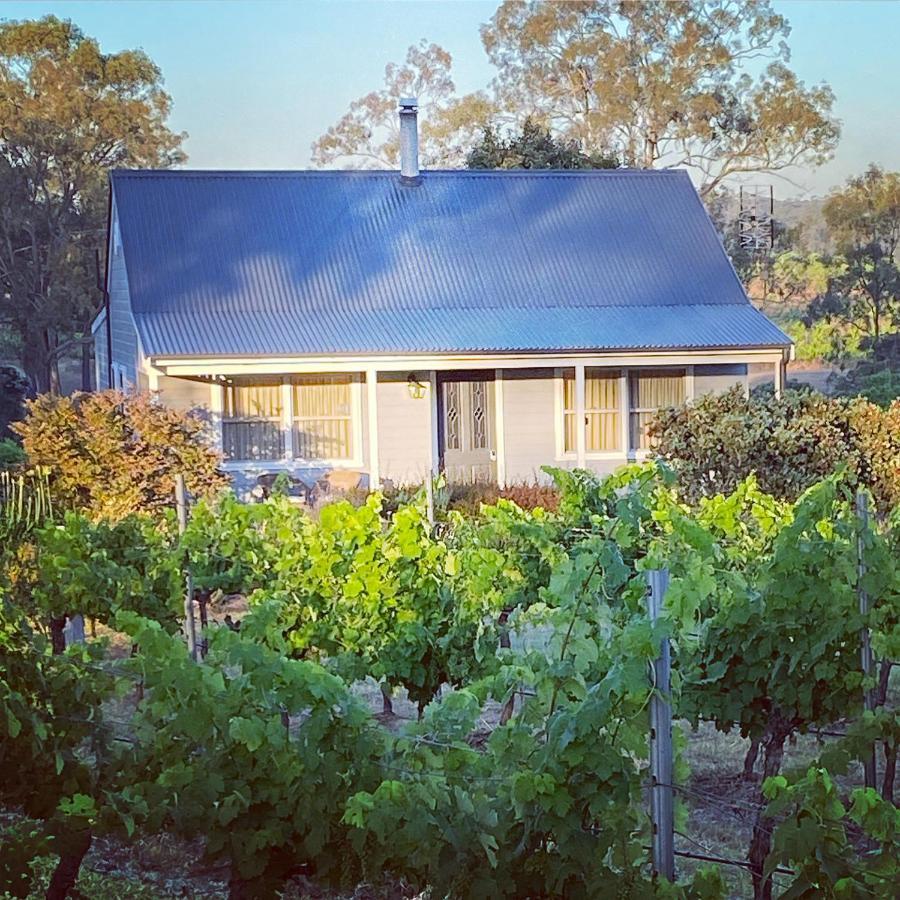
(70, 113)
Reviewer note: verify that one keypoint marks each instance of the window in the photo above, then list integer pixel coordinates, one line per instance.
(120, 381)
(603, 431)
(252, 420)
(649, 391)
(451, 415)
(479, 415)
(323, 417)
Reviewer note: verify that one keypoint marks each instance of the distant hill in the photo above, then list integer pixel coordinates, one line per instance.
(807, 214)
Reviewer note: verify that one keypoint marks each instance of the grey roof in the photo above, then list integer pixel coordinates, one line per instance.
(292, 263)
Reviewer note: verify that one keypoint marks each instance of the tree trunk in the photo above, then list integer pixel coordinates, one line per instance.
(884, 677)
(51, 361)
(35, 365)
(750, 759)
(890, 771)
(73, 847)
(508, 708)
(761, 841)
(55, 387)
(87, 368)
(237, 887)
(387, 705)
(202, 597)
(58, 633)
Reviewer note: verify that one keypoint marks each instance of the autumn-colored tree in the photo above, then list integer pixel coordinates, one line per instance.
(663, 84)
(368, 134)
(68, 114)
(533, 148)
(653, 84)
(864, 219)
(111, 454)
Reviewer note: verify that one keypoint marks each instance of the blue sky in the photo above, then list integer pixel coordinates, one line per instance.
(254, 83)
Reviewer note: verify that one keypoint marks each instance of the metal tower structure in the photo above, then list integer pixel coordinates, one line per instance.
(756, 219)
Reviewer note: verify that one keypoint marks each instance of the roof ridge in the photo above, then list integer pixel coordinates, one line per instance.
(394, 308)
(393, 173)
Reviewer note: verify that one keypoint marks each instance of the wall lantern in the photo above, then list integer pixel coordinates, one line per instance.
(415, 387)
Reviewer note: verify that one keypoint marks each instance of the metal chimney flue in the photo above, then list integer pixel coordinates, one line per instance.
(409, 140)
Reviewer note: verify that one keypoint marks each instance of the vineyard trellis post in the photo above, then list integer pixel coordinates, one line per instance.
(661, 767)
(429, 498)
(181, 509)
(862, 514)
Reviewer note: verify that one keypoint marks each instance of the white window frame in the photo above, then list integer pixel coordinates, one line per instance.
(288, 460)
(627, 452)
(277, 382)
(563, 455)
(635, 453)
(356, 459)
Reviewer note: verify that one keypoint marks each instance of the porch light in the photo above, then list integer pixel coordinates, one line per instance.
(415, 387)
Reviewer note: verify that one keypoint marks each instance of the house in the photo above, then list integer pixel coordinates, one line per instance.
(400, 323)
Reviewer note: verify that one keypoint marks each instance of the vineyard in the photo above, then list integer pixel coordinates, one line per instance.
(521, 643)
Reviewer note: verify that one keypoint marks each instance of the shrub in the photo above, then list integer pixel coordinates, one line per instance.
(715, 442)
(13, 390)
(876, 382)
(110, 454)
(468, 498)
(11, 454)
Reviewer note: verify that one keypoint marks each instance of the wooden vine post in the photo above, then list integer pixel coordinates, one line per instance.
(662, 805)
(429, 498)
(190, 628)
(862, 515)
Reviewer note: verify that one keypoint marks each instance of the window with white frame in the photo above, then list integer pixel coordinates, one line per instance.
(313, 418)
(602, 411)
(650, 390)
(323, 417)
(252, 417)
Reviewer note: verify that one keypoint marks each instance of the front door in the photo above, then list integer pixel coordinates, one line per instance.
(466, 417)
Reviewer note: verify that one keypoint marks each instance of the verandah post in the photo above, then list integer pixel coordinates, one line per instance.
(190, 628)
(662, 806)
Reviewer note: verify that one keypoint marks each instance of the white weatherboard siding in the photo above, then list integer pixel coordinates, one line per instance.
(404, 429)
(529, 434)
(101, 357)
(184, 394)
(716, 379)
(124, 337)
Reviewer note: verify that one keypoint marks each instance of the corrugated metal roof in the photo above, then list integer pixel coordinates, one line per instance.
(259, 263)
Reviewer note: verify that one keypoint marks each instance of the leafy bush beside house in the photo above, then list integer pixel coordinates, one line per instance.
(13, 391)
(789, 443)
(110, 454)
(11, 454)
